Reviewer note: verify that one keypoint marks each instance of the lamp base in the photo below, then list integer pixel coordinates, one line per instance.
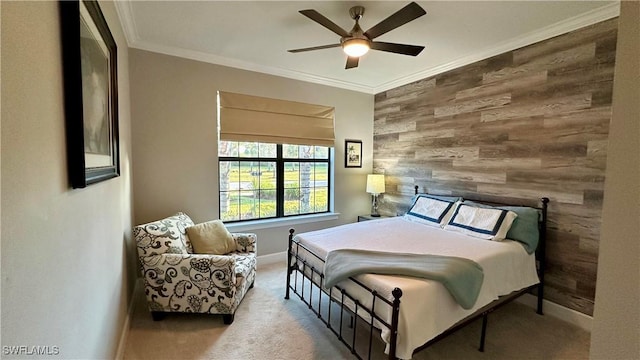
(374, 206)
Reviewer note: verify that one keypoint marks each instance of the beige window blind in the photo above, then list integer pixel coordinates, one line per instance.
(259, 119)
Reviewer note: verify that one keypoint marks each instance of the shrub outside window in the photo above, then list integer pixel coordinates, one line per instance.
(261, 180)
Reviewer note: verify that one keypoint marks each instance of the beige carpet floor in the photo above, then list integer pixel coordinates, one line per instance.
(268, 327)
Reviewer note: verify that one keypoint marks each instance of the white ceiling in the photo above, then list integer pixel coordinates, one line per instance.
(255, 35)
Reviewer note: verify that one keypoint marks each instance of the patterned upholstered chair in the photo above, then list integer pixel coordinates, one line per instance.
(176, 280)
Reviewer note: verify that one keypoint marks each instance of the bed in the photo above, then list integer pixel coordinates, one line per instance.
(409, 313)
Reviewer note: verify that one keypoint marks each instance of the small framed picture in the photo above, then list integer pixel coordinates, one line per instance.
(353, 153)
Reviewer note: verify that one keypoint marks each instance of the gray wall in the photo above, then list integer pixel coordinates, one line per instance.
(66, 268)
(175, 139)
(616, 319)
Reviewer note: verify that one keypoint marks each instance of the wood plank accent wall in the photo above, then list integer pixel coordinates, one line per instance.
(529, 123)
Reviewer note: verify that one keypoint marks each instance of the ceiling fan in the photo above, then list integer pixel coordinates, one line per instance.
(356, 42)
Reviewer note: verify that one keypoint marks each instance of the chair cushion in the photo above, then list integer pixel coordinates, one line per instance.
(211, 237)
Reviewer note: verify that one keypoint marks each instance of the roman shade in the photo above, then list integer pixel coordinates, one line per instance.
(259, 119)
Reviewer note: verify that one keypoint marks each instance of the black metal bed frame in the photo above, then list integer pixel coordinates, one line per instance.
(337, 297)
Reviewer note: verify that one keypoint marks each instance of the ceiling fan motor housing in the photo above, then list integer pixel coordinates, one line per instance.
(356, 12)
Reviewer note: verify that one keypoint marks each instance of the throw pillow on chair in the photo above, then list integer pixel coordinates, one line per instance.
(211, 237)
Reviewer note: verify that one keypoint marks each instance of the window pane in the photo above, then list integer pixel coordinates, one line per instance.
(248, 149)
(229, 206)
(290, 151)
(248, 209)
(321, 177)
(306, 182)
(267, 180)
(229, 175)
(247, 170)
(321, 199)
(291, 175)
(224, 167)
(306, 174)
(267, 150)
(305, 152)
(228, 171)
(267, 203)
(267, 175)
(321, 152)
(291, 207)
(228, 148)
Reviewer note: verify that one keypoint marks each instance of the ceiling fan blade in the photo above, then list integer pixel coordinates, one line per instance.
(399, 18)
(314, 48)
(322, 20)
(352, 62)
(403, 49)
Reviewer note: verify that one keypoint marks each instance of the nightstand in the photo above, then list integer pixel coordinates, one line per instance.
(369, 217)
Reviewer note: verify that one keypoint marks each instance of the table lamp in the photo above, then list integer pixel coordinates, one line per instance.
(375, 187)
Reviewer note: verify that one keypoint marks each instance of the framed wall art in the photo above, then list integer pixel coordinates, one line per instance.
(353, 153)
(89, 57)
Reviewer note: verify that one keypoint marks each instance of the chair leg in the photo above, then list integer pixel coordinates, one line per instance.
(228, 318)
(158, 315)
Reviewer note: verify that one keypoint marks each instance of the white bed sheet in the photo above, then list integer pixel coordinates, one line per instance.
(427, 308)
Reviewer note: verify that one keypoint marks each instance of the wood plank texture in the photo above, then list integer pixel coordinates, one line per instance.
(515, 127)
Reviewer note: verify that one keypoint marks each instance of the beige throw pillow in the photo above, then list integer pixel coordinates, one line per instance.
(211, 237)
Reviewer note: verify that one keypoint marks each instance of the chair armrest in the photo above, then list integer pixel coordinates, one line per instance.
(218, 270)
(245, 242)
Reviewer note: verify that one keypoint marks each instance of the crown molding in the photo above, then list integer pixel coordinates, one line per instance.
(589, 18)
(249, 66)
(125, 12)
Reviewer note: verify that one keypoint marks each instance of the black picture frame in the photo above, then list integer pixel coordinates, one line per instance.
(89, 57)
(353, 153)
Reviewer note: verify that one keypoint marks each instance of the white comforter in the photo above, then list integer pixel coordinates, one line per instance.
(427, 308)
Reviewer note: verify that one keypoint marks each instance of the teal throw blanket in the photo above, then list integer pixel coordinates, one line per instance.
(462, 277)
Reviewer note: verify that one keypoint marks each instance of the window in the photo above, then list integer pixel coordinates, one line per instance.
(261, 180)
(262, 175)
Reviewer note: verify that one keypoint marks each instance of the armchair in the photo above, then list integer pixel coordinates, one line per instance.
(176, 280)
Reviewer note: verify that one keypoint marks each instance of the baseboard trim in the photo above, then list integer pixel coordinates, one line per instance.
(271, 258)
(571, 316)
(124, 334)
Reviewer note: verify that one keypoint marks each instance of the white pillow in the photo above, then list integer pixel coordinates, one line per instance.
(430, 211)
(484, 223)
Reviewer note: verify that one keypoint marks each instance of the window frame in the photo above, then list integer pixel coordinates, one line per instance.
(280, 161)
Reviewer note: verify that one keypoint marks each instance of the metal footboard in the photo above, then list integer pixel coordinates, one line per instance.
(309, 287)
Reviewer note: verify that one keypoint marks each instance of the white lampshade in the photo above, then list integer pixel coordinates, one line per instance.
(375, 184)
(355, 47)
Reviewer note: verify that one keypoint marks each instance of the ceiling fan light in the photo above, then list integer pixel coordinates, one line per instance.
(355, 47)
